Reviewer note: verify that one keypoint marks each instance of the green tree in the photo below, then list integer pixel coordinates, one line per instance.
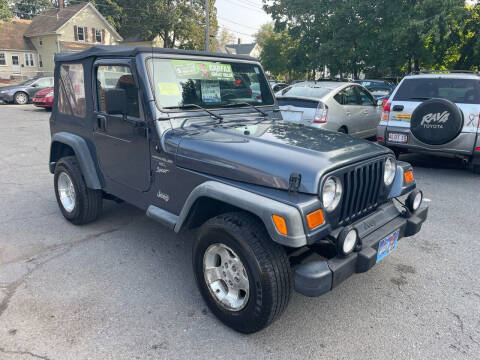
(28, 9)
(5, 11)
(377, 36)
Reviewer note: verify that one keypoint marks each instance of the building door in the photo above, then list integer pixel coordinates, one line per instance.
(15, 64)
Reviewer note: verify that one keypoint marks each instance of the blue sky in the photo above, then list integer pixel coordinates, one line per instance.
(241, 17)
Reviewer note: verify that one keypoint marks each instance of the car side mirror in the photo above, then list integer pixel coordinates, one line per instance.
(34, 85)
(116, 101)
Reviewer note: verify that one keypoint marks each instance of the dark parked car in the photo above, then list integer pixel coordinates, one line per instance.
(22, 93)
(279, 205)
(380, 89)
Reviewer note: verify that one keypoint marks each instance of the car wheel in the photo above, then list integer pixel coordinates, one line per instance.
(343, 130)
(79, 204)
(20, 98)
(243, 276)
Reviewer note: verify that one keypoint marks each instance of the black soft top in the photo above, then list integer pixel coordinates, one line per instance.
(130, 51)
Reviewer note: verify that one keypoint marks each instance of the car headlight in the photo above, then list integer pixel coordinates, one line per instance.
(389, 172)
(331, 193)
(50, 93)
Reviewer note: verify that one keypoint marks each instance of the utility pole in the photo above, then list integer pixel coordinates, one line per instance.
(207, 25)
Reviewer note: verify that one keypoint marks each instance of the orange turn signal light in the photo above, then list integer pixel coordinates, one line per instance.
(409, 176)
(280, 224)
(315, 219)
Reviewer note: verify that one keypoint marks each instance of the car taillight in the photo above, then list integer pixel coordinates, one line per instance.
(386, 111)
(320, 115)
(384, 101)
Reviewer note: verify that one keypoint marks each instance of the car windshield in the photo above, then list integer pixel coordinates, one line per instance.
(306, 91)
(463, 91)
(209, 84)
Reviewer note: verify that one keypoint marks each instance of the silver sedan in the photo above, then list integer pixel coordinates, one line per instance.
(337, 106)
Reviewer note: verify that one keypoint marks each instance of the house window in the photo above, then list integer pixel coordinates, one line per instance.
(80, 34)
(3, 59)
(29, 60)
(98, 35)
(40, 61)
(40, 42)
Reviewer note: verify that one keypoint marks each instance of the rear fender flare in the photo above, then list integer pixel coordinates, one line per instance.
(83, 155)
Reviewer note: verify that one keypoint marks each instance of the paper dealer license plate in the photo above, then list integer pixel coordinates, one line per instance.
(387, 244)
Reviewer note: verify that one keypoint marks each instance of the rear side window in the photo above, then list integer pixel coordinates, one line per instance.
(463, 91)
(347, 97)
(71, 98)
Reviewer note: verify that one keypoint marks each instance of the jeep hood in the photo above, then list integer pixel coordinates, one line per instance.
(267, 153)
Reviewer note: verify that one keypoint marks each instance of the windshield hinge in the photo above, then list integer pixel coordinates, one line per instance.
(294, 182)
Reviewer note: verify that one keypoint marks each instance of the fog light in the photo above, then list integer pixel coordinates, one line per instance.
(414, 200)
(347, 240)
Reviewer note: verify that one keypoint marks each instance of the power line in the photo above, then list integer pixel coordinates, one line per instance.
(236, 23)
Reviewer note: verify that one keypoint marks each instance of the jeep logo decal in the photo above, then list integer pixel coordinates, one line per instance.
(435, 121)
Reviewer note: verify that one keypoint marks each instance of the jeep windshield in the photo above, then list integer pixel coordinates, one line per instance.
(461, 91)
(177, 84)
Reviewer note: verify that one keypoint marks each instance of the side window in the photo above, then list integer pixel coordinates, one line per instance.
(43, 82)
(347, 96)
(72, 83)
(365, 98)
(119, 77)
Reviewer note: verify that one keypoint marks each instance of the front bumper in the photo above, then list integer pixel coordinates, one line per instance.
(317, 277)
(6, 98)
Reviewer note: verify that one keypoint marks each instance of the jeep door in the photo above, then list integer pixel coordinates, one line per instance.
(121, 139)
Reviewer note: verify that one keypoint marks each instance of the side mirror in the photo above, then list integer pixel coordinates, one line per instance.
(116, 101)
(34, 85)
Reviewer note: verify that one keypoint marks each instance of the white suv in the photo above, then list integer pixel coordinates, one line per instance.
(434, 112)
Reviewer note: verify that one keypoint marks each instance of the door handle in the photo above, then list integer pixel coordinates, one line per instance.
(398, 108)
(101, 123)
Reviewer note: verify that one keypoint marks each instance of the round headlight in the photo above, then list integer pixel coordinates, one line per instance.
(389, 173)
(331, 193)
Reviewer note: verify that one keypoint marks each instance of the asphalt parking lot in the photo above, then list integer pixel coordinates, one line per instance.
(123, 288)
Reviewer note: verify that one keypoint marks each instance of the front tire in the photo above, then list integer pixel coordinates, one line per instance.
(79, 204)
(20, 98)
(243, 276)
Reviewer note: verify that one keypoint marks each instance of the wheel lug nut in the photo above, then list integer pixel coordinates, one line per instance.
(234, 268)
(224, 274)
(237, 279)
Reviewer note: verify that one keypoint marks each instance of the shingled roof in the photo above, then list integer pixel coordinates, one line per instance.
(11, 35)
(240, 49)
(51, 20)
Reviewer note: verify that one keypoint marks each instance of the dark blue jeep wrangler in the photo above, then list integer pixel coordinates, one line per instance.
(196, 140)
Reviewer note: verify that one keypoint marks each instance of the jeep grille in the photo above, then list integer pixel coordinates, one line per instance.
(362, 186)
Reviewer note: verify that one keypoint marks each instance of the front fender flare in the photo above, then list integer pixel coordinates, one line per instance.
(259, 205)
(83, 155)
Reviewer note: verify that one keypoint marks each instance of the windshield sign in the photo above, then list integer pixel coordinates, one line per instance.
(210, 84)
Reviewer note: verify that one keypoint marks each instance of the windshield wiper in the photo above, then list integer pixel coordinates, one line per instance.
(219, 117)
(248, 104)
